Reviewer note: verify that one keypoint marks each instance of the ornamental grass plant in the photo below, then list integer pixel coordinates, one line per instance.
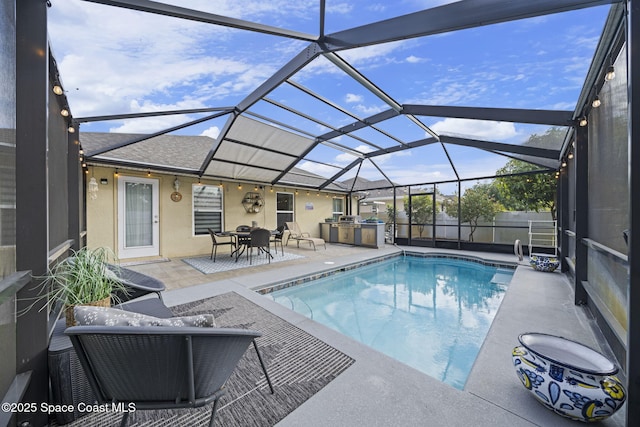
(82, 279)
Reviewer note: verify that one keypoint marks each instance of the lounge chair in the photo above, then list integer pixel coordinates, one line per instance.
(298, 235)
(137, 284)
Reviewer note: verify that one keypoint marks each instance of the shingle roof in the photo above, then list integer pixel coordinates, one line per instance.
(175, 152)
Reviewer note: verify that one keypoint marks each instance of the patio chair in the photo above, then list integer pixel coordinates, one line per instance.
(298, 235)
(159, 367)
(260, 238)
(215, 242)
(278, 237)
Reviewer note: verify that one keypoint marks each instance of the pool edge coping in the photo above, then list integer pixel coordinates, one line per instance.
(296, 281)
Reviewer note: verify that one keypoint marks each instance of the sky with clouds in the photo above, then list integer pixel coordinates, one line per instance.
(117, 61)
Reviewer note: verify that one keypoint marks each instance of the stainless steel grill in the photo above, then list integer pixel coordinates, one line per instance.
(349, 219)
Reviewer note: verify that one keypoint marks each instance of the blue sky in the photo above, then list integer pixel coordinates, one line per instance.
(116, 61)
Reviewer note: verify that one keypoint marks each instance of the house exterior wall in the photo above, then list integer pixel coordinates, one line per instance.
(176, 218)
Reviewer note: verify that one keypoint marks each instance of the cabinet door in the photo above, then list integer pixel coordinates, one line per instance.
(368, 236)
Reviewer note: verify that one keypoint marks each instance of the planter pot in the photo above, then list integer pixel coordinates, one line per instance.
(544, 262)
(68, 310)
(569, 378)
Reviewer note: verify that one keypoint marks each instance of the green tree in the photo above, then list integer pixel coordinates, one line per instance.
(526, 192)
(477, 203)
(391, 214)
(421, 211)
(535, 191)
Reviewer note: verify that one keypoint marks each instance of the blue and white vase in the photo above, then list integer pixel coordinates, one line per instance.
(544, 262)
(569, 378)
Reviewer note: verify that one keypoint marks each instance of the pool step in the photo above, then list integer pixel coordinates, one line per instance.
(502, 277)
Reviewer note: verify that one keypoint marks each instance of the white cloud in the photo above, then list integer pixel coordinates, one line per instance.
(212, 132)
(476, 128)
(110, 57)
(412, 59)
(373, 53)
(340, 8)
(370, 110)
(154, 124)
(319, 169)
(351, 98)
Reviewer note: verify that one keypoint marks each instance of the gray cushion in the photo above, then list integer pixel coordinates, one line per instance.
(108, 316)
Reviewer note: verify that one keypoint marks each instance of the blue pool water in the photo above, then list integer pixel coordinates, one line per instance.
(430, 313)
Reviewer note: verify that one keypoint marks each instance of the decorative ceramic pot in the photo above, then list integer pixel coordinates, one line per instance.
(544, 262)
(569, 378)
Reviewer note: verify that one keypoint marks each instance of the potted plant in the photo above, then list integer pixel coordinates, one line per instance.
(84, 279)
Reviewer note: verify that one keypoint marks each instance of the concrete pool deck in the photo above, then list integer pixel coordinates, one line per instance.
(379, 391)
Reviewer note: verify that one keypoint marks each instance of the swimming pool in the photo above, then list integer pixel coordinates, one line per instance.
(431, 313)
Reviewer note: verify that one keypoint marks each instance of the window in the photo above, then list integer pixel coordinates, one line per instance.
(338, 208)
(207, 208)
(284, 208)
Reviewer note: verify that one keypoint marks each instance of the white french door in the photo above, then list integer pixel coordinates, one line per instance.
(138, 217)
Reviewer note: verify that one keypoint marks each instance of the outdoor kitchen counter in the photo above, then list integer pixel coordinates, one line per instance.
(359, 234)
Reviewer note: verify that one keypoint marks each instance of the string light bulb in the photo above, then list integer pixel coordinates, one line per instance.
(116, 174)
(583, 122)
(57, 89)
(611, 73)
(64, 112)
(596, 102)
(570, 155)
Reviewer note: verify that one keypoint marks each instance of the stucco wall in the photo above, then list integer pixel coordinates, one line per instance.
(176, 218)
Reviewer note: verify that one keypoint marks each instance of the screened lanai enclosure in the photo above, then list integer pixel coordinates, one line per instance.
(459, 124)
(372, 99)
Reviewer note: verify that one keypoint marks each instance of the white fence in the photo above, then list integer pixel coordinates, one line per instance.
(505, 228)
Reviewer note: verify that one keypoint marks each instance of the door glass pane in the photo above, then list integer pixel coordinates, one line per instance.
(139, 214)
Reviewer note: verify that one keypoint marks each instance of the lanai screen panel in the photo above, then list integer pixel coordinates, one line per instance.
(253, 150)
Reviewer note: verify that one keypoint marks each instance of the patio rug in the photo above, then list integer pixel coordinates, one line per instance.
(225, 263)
(299, 366)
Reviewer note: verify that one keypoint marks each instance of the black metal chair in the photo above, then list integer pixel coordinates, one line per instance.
(278, 237)
(260, 238)
(215, 243)
(158, 367)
